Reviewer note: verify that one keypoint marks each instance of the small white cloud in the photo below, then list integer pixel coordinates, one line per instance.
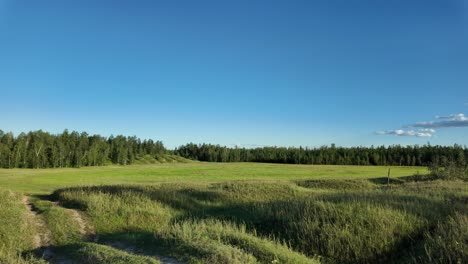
(429, 130)
(454, 120)
(459, 117)
(400, 132)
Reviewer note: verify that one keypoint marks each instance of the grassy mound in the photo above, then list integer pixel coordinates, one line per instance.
(91, 253)
(64, 229)
(264, 222)
(157, 219)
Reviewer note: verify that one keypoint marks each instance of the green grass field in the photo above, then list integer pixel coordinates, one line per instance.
(43, 181)
(231, 213)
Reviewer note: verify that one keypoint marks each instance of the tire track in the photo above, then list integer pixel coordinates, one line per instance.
(43, 237)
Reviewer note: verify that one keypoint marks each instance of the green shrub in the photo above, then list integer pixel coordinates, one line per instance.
(449, 170)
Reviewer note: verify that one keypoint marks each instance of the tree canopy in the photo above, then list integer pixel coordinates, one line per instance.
(39, 149)
(332, 155)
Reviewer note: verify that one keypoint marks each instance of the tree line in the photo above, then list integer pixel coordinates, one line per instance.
(395, 155)
(39, 149)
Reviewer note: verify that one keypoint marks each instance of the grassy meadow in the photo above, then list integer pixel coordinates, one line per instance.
(44, 181)
(231, 213)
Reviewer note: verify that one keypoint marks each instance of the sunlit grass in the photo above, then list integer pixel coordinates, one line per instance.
(44, 181)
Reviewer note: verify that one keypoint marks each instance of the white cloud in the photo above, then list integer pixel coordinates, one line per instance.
(429, 130)
(401, 132)
(454, 120)
(459, 116)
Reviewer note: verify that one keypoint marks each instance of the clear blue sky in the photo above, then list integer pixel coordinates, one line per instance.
(250, 72)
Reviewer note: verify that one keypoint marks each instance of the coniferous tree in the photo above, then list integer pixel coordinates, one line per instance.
(333, 155)
(39, 149)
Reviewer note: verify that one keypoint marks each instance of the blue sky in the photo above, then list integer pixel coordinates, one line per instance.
(283, 73)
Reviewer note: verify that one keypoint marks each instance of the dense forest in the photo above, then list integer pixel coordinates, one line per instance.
(391, 155)
(40, 149)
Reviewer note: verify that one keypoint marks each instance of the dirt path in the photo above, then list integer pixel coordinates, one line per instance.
(85, 228)
(43, 236)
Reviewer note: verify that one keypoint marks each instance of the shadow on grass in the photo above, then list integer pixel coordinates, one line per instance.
(150, 244)
(181, 198)
(130, 246)
(385, 181)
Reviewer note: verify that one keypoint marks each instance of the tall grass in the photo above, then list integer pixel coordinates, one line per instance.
(226, 243)
(149, 216)
(449, 242)
(296, 222)
(17, 230)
